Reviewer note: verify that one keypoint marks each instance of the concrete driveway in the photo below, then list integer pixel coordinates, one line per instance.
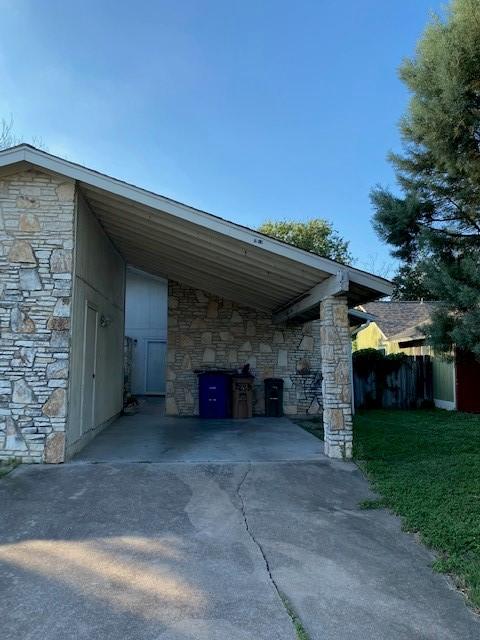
(201, 551)
(150, 436)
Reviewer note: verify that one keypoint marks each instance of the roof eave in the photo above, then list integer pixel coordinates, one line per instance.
(378, 286)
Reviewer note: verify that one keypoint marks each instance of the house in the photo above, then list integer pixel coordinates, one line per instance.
(398, 327)
(77, 246)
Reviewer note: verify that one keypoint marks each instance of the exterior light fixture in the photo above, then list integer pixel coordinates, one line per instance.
(105, 321)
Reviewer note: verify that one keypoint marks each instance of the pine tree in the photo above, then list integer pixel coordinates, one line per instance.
(435, 225)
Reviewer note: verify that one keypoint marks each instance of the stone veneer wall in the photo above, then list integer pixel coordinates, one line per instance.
(337, 377)
(205, 331)
(36, 234)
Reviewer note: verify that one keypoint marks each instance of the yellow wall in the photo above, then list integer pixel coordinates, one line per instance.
(369, 338)
(372, 338)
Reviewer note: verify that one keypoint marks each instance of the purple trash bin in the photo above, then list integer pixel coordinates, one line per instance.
(214, 394)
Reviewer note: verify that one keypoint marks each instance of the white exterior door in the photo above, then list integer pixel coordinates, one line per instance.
(156, 354)
(146, 324)
(89, 368)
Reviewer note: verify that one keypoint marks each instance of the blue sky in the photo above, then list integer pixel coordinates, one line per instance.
(247, 109)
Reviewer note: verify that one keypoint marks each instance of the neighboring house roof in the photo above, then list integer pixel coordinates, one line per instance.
(400, 320)
(178, 242)
(412, 333)
(359, 318)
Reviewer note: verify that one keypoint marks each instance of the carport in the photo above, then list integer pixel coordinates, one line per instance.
(235, 296)
(150, 436)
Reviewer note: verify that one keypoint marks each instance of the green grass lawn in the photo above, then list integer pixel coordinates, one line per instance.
(426, 467)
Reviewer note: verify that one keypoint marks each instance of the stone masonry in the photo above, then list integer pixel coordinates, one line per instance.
(336, 367)
(205, 331)
(36, 241)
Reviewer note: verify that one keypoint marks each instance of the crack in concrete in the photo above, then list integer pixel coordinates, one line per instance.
(292, 614)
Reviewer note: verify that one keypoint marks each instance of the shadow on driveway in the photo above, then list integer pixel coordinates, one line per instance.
(179, 551)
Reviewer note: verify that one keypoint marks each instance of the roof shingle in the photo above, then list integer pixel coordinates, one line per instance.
(394, 317)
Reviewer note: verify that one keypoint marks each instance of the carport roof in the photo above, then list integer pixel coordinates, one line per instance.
(178, 242)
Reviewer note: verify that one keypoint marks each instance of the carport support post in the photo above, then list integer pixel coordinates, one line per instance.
(336, 351)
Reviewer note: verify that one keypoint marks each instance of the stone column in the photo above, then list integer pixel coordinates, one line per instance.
(336, 350)
(37, 213)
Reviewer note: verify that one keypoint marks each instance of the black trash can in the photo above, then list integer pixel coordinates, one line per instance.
(274, 397)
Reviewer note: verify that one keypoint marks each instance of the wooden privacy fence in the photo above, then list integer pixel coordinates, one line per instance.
(403, 383)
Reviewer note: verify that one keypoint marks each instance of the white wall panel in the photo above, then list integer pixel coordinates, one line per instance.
(146, 321)
(99, 279)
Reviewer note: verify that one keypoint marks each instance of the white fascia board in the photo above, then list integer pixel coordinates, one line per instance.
(12, 155)
(333, 286)
(370, 281)
(361, 315)
(128, 191)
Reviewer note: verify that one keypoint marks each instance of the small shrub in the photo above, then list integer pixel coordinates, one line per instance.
(368, 361)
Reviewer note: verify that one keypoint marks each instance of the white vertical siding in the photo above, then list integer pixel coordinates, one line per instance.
(99, 279)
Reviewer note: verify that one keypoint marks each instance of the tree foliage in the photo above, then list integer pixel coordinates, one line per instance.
(315, 235)
(434, 226)
(409, 283)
